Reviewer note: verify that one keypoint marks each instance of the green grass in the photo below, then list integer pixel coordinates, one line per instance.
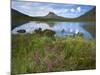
(35, 53)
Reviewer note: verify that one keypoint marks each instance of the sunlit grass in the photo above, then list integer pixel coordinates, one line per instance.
(34, 53)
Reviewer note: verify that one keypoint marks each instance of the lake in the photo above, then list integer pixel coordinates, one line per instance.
(62, 29)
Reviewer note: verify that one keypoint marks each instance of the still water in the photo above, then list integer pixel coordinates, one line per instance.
(61, 28)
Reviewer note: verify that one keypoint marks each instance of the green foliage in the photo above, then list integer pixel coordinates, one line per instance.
(34, 53)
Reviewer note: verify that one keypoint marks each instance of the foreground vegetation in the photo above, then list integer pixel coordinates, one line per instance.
(35, 53)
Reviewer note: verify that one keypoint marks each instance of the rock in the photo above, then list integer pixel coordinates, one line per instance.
(38, 31)
(63, 31)
(21, 31)
(46, 32)
(79, 34)
(49, 32)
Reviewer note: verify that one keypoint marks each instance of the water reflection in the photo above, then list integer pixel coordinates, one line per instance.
(70, 28)
(30, 27)
(61, 28)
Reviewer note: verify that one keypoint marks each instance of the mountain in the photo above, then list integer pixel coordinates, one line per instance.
(52, 15)
(19, 18)
(89, 16)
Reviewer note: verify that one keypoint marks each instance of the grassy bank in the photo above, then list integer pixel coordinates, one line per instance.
(34, 53)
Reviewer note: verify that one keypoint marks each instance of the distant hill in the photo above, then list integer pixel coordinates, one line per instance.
(53, 16)
(89, 16)
(19, 18)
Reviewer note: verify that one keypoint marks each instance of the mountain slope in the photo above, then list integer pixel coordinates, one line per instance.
(89, 16)
(18, 18)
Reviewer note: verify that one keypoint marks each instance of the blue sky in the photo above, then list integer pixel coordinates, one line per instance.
(42, 9)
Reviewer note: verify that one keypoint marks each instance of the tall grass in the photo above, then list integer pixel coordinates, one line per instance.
(34, 53)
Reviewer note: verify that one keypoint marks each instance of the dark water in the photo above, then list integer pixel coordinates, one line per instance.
(61, 28)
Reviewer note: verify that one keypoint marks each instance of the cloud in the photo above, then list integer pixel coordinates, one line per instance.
(31, 9)
(42, 9)
(79, 9)
(72, 10)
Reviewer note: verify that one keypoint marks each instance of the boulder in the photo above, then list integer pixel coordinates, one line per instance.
(49, 32)
(38, 31)
(21, 31)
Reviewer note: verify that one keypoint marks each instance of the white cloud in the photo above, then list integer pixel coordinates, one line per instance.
(31, 9)
(72, 10)
(79, 9)
(40, 9)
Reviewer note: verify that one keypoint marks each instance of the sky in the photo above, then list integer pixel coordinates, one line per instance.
(35, 9)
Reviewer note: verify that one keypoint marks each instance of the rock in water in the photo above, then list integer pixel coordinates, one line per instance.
(21, 31)
(48, 32)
